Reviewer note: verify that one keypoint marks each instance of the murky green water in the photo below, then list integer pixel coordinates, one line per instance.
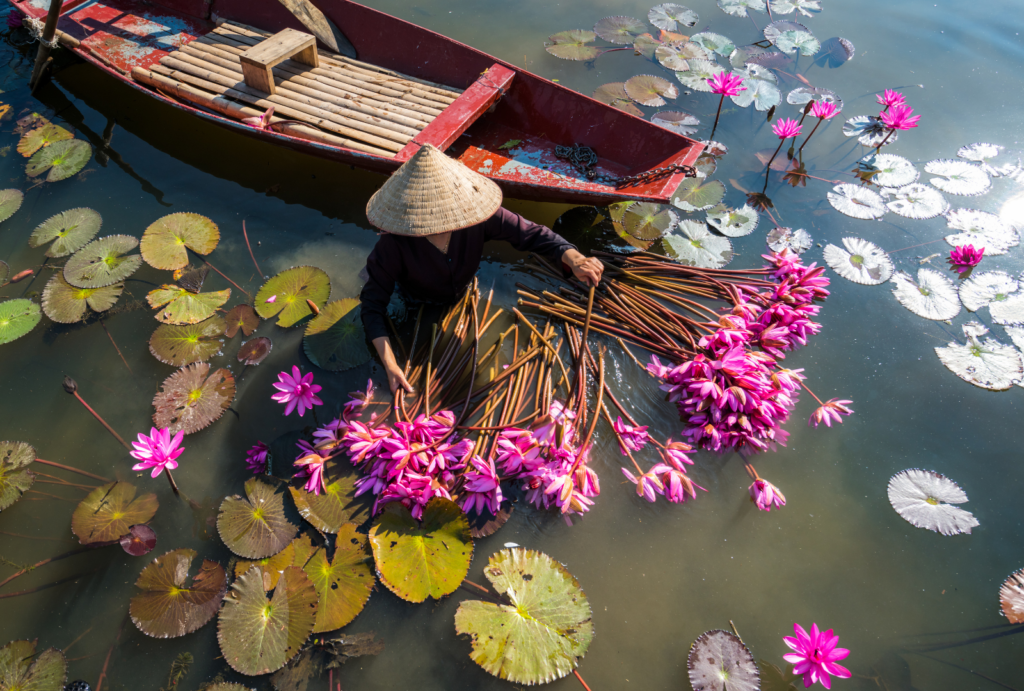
(656, 575)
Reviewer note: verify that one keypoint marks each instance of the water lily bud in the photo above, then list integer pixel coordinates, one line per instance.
(70, 385)
(22, 276)
(312, 306)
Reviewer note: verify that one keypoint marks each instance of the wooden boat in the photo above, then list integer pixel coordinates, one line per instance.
(409, 86)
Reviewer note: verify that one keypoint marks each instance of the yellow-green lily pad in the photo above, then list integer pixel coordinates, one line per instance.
(285, 294)
(15, 477)
(17, 318)
(69, 231)
(335, 339)
(190, 400)
(183, 345)
(168, 605)
(183, 307)
(66, 304)
(164, 242)
(256, 526)
(103, 262)
(109, 511)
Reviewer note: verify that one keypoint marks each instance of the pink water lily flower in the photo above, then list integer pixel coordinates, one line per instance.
(296, 390)
(963, 259)
(648, 485)
(272, 299)
(313, 466)
(786, 128)
(890, 98)
(766, 495)
(815, 655)
(157, 451)
(899, 118)
(632, 438)
(825, 110)
(256, 458)
(726, 84)
(832, 409)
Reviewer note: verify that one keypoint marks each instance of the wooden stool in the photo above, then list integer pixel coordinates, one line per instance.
(258, 62)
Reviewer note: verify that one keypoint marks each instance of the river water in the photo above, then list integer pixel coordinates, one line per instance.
(656, 575)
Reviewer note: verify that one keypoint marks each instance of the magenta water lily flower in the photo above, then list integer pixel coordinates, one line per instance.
(313, 466)
(899, 118)
(815, 655)
(832, 410)
(296, 390)
(256, 458)
(964, 258)
(648, 485)
(766, 495)
(786, 128)
(890, 98)
(726, 84)
(632, 438)
(157, 451)
(826, 110)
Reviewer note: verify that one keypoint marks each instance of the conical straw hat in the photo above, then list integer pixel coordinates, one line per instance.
(430, 194)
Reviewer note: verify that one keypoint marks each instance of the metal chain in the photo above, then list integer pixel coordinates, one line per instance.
(583, 159)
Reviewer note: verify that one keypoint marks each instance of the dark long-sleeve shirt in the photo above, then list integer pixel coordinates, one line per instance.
(428, 274)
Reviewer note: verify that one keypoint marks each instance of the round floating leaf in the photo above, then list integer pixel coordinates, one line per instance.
(694, 245)
(22, 670)
(17, 318)
(15, 477)
(739, 8)
(958, 177)
(545, 630)
(69, 230)
(62, 159)
(917, 201)
(66, 304)
(614, 94)
(714, 43)
(164, 242)
(676, 121)
(182, 345)
(988, 364)
(743, 54)
(980, 152)
(646, 45)
(256, 526)
(241, 317)
(719, 661)
(646, 221)
(259, 636)
(190, 400)
(335, 339)
(981, 229)
(805, 94)
(676, 56)
(706, 165)
(255, 351)
(798, 240)
(761, 90)
(36, 139)
(620, 30)
(734, 223)
(110, 511)
(572, 45)
(103, 262)
(697, 76)
(790, 37)
(344, 584)
(981, 290)
(772, 60)
(648, 90)
(417, 560)
(693, 194)
(337, 504)
(862, 262)
(670, 16)
(10, 201)
(184, 307)
(271, 567)
(893, 170)
(869, 131)
(139, 540)
(925, 499)
(835, 52)
(486, 524)
(805, 7)
(856, 201)
(932, 295)
(1011, 597)
(169, 606)
(1008, 312)
(289, 291)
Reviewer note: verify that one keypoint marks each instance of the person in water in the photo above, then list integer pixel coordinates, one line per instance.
(435, 215)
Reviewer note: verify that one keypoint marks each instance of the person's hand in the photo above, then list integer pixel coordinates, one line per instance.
(397, 380)
(586, 269)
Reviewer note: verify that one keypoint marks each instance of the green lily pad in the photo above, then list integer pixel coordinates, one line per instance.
(700, 72)
(69, 230)
(696, 194)
(62, 159)
(289, 291)
(714, 43)
(66, 304)
(241, 317)
(542, 634)
(719, 661)
(271, 567)
(22, 670)
(790, 37)
(103, 262)
(647, 221)
(15, 477)
(184, 307)
(614, 94)
(256, 526)
(572, 45)
(335, 339)
(417, 560)
(259, 636)
(10, 201)
(40, 137)
(110, 511)
(17, 318)
(620, 30)
(337, 505)
(694, 245)
(164, 242)
(648, 90)
(168, 606)
(190, 400)
(733, 223)
(183, 345)
(344, 585)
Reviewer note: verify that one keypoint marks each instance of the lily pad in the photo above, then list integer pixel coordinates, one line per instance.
(714, 43)
(614, 94)
(542, 634)
(697, 76)
(694, 245)
(983, 289)
(190, 400)
(1008, 312)
(22, 670)
(164, 242)
(34, 140)
(646, 221)
(109, 512)
(62, 160)
(620, 30)
(10, 201)
(670, 16)
(17, 318)
(241, 317)
(805, 7)
(337, 504)
(572, 45)
(719, 661)
(183, 306)
(733, 223)
(676, 121)
(857, 201)
(893, 170)
(271, 567)
(706, 165)
(925, 499)
(694, 194)
(869, 131)
(256, 526)
(646, 45)
(761, 89)
(182, 345)
(139, 540)
(981, 153)
(861, 262)
(739, 8)
(69, 230)
(1011, 597)
(798, 240)
(191, 279)
(917, 201)
(803, 95)
(790, 37)
(103, 262)
(66, 304)
(958, 177)
(255, 351)
(988, 364)
(344, 584)
(289, 291)
(932, 295)
(835, 52)
(169, 606)
(15, 477)
(335, 339)
(676, 56)
(417, 560)
(981, 229)
(648, 90)
(259, 635)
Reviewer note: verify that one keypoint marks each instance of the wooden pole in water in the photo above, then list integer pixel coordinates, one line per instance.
(46, 44)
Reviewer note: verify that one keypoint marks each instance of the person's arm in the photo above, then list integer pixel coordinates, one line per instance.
(382, 268)
(528, 236)
(396, 377)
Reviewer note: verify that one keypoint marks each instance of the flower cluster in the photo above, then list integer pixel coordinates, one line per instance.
(896, 115)
(667, 478)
